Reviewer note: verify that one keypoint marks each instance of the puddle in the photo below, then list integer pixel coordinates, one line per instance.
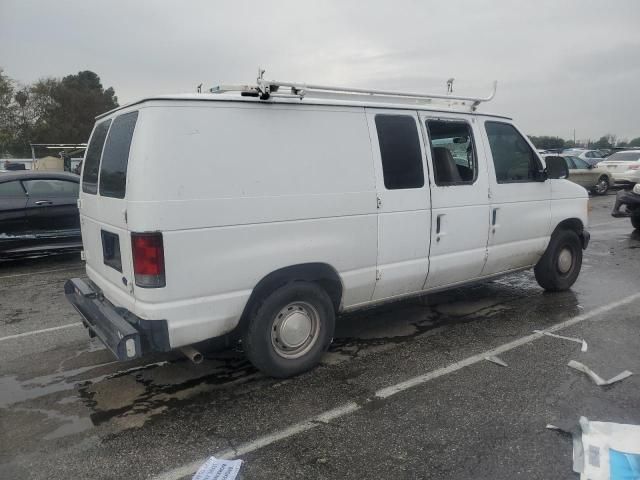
(137, 397)
(128, 398)
(14, 391)
(464, 308)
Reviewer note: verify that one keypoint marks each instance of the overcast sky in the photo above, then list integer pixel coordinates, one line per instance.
(560, 64)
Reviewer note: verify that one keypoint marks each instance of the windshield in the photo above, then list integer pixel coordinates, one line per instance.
(625, 156)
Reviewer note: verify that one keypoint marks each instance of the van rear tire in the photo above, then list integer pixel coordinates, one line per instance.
(290, 329)
(560, 265)
(635, 222)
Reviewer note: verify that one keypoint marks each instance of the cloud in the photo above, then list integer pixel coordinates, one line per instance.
(560, 65)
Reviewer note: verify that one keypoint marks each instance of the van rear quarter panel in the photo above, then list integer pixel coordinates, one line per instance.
(240, 191)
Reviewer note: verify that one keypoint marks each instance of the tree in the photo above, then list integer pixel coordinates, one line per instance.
(50, 111)
(67, 109)
(606, 141)
(7, 112)
(635, 142)
(547, 142)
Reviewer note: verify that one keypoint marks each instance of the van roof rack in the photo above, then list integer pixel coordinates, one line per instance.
(265, 89)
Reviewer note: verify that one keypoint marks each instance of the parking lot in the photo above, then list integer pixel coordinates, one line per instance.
(404, 392)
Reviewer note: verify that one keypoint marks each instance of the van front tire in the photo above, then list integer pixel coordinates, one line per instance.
(560, 265)
(290, 329)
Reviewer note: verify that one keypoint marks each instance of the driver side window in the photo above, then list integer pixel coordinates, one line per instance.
(513, 159)
(581, 164)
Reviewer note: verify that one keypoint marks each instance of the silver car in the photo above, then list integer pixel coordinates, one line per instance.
(592, 157)
(594, 178)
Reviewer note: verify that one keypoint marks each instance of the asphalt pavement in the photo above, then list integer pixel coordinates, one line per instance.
(404, 392)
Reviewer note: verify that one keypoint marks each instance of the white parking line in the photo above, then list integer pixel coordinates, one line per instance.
(42, 271)
(386, 392)
(44, 330)
(264, 441)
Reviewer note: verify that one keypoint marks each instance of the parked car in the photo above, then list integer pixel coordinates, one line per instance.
(594, 178)
(631, 203)
(592, 157)
(38, 212)
(290, 209)
(624, 167)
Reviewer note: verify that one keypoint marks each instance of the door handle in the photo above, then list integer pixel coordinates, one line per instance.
(494, 216)
(439, 223)
(43, 202)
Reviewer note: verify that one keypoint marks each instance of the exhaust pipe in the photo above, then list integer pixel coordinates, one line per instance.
(192, 354)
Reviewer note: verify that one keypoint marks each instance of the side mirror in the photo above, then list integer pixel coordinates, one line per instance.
(556, 168)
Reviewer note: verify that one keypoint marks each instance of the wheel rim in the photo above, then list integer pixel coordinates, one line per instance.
(565, 260)
(602, 186)
(295, 330)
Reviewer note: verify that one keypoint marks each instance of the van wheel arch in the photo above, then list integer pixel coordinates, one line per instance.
(576, 225)
(320, 273)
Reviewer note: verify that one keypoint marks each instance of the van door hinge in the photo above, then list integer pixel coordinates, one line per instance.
(489, 195)
(378, 274)
(379, 202)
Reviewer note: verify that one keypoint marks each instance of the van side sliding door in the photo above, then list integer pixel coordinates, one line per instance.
(459, 196)
(404, 210)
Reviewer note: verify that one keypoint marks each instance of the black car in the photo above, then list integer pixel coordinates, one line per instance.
(38, 213)
(631, 203)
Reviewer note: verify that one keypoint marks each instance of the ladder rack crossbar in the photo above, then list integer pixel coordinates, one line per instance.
(304, 87)
(267, 88)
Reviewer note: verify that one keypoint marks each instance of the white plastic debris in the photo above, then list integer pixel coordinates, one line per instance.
(597, 379)
(496, 360)
(583, 348)
(218, 469)
(607, 451)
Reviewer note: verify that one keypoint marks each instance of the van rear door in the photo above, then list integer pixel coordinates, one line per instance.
(103, 208)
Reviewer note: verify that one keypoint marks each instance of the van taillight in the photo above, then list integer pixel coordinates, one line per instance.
(148, 259)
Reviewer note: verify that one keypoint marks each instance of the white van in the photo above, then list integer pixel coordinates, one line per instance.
(259, 215)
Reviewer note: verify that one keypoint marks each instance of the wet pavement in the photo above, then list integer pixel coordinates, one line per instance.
(67, 410)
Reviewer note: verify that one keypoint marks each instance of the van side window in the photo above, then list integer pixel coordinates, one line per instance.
(400, 152)
(513, 158)
(92, 158)
(453, 152)
(113, 171)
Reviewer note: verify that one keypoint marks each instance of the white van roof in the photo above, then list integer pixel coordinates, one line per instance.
(333, 100)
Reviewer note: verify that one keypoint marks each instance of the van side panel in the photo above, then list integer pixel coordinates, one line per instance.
(241, 191)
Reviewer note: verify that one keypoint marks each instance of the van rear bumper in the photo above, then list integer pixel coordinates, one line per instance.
(127, 336)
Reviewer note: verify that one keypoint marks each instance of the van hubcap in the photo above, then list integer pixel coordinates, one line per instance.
(295, 330)
(565, 260)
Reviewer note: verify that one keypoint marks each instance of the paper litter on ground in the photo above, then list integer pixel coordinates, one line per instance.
(496, 360)
(218, 469)
(583, 348)
(597, 379)
(607, 451)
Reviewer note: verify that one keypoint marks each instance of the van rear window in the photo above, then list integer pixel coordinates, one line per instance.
(113, 170)
(92, 158)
